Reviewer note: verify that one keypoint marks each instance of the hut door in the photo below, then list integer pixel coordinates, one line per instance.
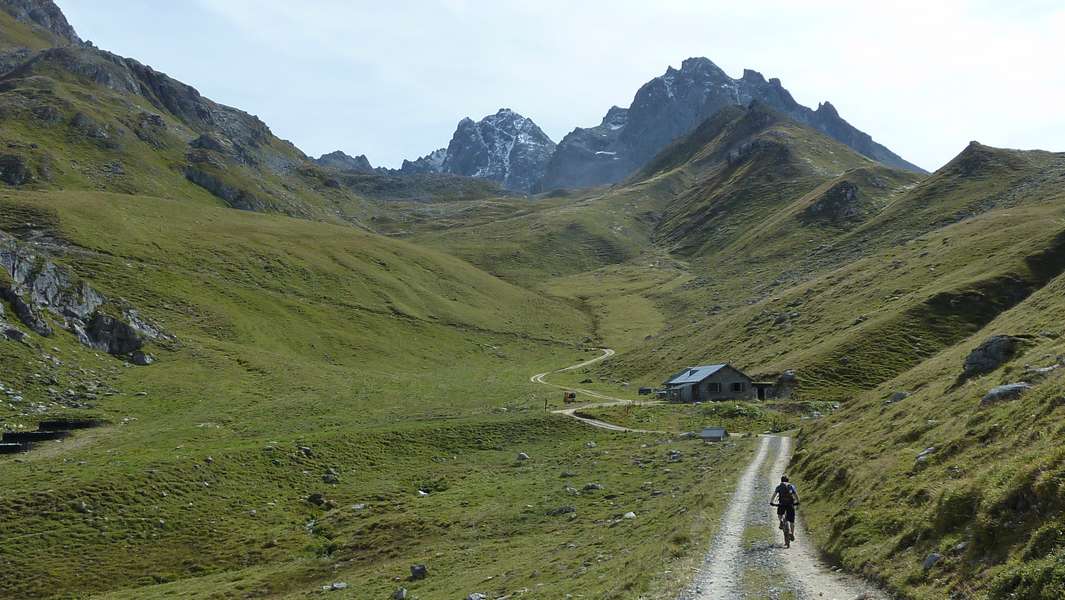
(695, 392)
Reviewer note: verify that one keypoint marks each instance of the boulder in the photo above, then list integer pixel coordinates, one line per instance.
(1010, 391)
(897, 397)
(400, 594)
(418, 572)
(931, 560)
(991, 354)
(331, 476)
(141, 359)
(923, 455)
(476, 596)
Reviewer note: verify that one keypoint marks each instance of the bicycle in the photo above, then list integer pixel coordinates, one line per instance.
(786, 525)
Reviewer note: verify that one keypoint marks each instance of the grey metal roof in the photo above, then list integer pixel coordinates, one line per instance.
(713, 432)
(694, 374)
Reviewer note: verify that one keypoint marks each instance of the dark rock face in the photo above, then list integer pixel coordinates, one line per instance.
(44, 14)
(994, 352)
(672, 105)
(590, 157)
(233, 196)
(112, 335)
(504, 147)
(14, 170)
(342, 162)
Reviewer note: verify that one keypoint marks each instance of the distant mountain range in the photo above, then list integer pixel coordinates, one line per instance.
(510, 149)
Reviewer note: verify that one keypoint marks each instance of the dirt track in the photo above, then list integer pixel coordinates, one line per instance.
(738, 564)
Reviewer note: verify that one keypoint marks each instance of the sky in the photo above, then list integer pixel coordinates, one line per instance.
(392, 79)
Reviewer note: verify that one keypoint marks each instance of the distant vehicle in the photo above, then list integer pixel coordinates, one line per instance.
(569, 397)
(645, 391)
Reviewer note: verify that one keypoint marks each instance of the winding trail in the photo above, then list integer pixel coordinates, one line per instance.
(734, 567)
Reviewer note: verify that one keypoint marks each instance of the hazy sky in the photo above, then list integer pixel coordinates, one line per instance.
(390, 79)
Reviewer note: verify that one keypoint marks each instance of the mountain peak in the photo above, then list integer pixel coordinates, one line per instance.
(341, 161)
(752, 76)
(506, 147)
(671, 106)
(826, 108)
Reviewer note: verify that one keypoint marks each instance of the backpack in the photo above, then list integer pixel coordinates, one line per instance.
(786, 493)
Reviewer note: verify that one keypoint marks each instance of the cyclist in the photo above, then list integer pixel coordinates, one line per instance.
(786, 498)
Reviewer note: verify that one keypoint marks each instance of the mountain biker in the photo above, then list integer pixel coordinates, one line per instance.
(787, 498)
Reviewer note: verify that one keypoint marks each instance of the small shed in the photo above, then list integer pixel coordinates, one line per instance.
(710, 382)
(713, 434)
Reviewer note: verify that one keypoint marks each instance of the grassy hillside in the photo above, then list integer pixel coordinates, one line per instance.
(303, 348)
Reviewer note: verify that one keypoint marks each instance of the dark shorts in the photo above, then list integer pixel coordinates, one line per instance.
(788, 512)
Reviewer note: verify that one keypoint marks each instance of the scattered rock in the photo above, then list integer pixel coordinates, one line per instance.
(476, 596)
(331, 476)
(418, 572)
(591, 487)
(82, 508)
(629, 515)
(674, 455)
(590, 445)
(317, 499)
(923, 455)
(422, 493)
(567, 474)
(561, 510)
(991, 354)
(306, 451)
(931, 560)
(400, 594)
(523, 456)
(1010, 391)
(897, 397)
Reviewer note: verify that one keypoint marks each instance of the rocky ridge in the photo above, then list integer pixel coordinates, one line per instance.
(671, 106)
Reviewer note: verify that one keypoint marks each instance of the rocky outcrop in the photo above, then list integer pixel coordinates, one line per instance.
(994, 352)
(43, 14)
(674, 104)
(15, 170)
(233, 196)
(838, 204)
(505, 147)
(33, 285)
(342, 162)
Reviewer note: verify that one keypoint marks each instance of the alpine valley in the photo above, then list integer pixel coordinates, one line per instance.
(232, 370)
